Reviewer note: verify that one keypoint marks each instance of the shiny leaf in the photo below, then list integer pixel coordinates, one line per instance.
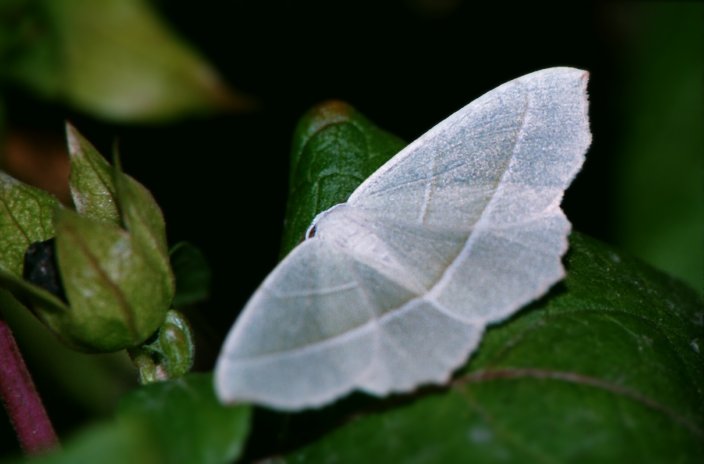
(334, 149)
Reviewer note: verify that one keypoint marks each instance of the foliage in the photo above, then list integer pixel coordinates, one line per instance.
(606, 367)
(114, 282)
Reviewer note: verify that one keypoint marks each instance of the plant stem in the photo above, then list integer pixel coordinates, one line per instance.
(21, 399)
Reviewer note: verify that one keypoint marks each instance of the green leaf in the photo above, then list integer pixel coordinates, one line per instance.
(607, 367)
(334, 149)
(192, 274)
(25, 217)
(59, 49)
(659, 199)
(188, 422)
(179, 421)
(144, 221)
(116, 297)
(28, 49)
(105, 193)
(120, 442)
(92, 186)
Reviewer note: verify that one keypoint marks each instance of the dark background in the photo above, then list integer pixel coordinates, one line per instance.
(406, 65)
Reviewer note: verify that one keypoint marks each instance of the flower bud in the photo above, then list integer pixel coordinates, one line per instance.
(170, 354)
(111, 255)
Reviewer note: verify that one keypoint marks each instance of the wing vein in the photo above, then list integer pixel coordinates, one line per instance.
(315, 292)
(429, 187)
(447, 274)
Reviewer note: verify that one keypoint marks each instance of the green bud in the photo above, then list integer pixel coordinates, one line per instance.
(170, 355)
(111, 254)
(117, 298)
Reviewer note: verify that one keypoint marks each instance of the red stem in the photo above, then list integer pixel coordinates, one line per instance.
(22, 402)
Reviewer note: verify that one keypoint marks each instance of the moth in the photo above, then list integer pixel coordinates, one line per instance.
(394, 288)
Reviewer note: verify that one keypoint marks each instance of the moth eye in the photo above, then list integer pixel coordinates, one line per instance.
(41, 268)
(312, 231)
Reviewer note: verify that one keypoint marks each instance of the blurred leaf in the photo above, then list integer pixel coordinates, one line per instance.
(29, 51)
(660, 202)
(122, 441)
(179, 421)
(44, 304)
(113, 58)
(91, 383)
(91, 180)
(25, 217)
(190, 424)
(334, 149)
(2, 131)
(192, 274)
(607, 367)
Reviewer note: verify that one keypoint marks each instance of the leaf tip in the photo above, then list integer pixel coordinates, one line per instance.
(73, 138)
(318, 118)
(329, 112)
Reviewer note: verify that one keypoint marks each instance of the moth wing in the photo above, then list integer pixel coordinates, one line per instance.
(460, 229)
(492, 174)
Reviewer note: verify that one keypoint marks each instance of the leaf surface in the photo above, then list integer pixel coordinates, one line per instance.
(91, 180)
(334, 149)
(116, 298)
(25, 217)
(606, 367)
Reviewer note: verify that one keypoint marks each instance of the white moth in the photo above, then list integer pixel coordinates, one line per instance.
(394, 288)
